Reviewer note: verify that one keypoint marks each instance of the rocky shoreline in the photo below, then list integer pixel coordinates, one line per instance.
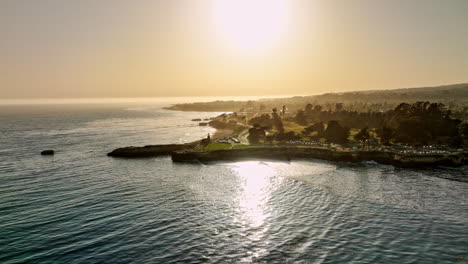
(296, 152)
(150, 150)
(187, 153)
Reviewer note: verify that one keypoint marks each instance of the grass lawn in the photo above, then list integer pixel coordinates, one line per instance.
(242, 146)
(219, 146)
(353, 132)
(291, 126)
(214, 146)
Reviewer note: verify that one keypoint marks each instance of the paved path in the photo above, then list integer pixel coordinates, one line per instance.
(243, 137)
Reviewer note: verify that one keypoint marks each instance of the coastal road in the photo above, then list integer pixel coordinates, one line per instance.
(243, 137)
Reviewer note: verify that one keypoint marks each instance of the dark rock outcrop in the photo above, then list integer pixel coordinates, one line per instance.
(150, 150)
(47, 152)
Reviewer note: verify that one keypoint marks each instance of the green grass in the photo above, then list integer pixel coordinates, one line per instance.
(353, 132)
(220, 146)
(241, 146)
(291, 126)
(214, 146)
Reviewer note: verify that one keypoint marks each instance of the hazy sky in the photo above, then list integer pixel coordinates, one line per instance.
(115, 48)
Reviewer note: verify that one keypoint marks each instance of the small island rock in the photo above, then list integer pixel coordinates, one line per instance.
(48, 152)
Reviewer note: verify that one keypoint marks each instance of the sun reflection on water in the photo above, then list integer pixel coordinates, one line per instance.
(256, 186)
(254, 192)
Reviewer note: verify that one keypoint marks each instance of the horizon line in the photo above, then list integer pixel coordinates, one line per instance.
(8, 101)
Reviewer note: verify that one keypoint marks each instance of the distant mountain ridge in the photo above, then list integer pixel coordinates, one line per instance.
(455, 96)
(451, 92)
(436, 88)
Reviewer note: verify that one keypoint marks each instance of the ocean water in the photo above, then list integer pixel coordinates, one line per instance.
(81, 206)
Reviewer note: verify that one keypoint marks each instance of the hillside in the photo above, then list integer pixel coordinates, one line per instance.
(455, 97)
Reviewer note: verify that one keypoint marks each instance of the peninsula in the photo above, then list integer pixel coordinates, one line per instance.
(419, 134)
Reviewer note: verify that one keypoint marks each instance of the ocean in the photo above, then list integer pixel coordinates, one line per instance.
(80, 206)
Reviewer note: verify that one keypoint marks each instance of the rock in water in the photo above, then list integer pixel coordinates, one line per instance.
(48, 152)
(150, 151)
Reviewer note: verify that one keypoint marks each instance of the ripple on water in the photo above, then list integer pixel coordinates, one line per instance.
(83, 207)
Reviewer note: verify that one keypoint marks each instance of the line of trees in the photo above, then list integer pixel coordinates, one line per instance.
(419, 123)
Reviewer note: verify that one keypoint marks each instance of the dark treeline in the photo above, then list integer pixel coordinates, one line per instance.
(420, 123)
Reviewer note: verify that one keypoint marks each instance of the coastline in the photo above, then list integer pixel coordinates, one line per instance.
(188, 153)
(281, 152)
(150, 150)
(194, 151)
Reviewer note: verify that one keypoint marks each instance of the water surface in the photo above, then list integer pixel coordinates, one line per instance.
(81, 206)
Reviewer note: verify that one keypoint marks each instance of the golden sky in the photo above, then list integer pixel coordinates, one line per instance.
(117, 48)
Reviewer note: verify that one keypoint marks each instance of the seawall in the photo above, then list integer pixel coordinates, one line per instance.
(295, 152)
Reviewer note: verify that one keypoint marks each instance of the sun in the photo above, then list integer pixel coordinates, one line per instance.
(251, 25)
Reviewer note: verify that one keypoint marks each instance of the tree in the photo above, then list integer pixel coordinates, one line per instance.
(301, 118)
(278, 124)
(256, 133)
(464, 130)
(308, 109)
(422, 122)
(412, 131)
(456, 142)
(287, 136)
(363, 135)
(317, 127)
(283, 112)
(336, 133)
(338, 107)
(385, 134)
(270, 138)
(264, 120)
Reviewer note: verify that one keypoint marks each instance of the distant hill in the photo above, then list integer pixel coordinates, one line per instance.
(457, 92)
(454, 96)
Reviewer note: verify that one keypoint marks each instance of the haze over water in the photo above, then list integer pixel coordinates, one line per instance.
(81, 206)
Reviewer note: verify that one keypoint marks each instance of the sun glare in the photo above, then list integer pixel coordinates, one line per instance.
(255, 183)
(251, 25)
